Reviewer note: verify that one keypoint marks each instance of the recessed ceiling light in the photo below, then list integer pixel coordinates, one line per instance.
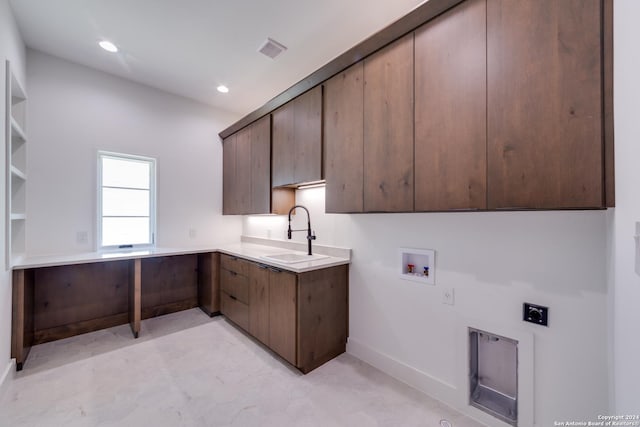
(223, 89)
(108, 46)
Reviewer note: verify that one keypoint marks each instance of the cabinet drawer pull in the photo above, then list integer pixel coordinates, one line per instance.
(275, 270)
(233, 273)
(264, 267)
(233, 298)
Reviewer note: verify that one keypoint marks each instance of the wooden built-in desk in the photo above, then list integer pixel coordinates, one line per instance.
(304, 319)
(59, 297)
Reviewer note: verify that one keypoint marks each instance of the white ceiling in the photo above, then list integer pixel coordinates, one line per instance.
(189, 47)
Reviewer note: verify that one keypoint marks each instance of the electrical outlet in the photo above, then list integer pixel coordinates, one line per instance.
(193, 233)
(448, 296)
(82, 237)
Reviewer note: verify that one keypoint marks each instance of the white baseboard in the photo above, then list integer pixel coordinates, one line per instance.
(7, 376)
(428, 384)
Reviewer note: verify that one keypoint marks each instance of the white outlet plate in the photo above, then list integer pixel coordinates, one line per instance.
(82, 237)
(192, 233)
(448, 296)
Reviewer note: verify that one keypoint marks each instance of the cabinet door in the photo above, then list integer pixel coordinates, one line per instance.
(259, 302)
(282, 314)
(388, 128)
(544, 107)
(343, 140)
(450, 111)
(243, 171)
(261, 166)
(308, 136)
(234, 310)
(229, 205)
(283, 146)
(322, 315)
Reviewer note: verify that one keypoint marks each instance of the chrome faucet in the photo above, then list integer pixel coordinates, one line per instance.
(310, 235)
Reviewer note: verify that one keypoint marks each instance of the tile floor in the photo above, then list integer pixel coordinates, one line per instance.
(189, 370)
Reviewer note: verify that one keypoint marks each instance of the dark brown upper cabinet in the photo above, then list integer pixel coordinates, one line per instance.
(513, 110)
(261, 166)
(236, 179)
(297, 140)
(229, 206)
(343, 140)
(450, 110)
(388, 128)
(545, 104)
(246, 170)
(283, 145)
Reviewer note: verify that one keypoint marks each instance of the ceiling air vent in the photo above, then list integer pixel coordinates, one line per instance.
(271, 48)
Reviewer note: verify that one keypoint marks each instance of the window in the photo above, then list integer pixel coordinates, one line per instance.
(126, 201)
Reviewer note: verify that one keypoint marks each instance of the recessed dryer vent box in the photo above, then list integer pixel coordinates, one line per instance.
(417, 265)
(493, 375)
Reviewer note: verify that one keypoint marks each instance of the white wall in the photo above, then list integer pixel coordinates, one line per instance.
(495, 261)
(626, 267)
(74, 111)
(11, 48)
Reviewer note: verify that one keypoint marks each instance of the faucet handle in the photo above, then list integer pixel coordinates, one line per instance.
(313, 236)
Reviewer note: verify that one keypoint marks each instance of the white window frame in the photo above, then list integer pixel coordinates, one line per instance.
(152, 201)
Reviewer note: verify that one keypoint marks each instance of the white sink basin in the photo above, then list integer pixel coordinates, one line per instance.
(292, 257)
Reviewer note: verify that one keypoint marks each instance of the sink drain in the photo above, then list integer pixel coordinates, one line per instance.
(445, 423)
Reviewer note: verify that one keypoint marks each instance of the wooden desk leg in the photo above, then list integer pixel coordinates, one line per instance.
(135, 291)
(22, 316)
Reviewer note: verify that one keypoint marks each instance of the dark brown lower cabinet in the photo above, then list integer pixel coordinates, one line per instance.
(282, 314)
(234, 287)
(302, 317)
(235, 310)
(259, 301)
(323, 316)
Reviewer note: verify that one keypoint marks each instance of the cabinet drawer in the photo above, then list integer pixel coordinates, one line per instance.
(235, 285)
(234, 264)
(235, 310)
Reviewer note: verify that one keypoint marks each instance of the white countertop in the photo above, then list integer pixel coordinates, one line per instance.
(89, 257)
(255, 252)
(250, 248)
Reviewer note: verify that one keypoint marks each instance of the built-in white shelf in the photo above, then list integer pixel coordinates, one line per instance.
(16, 167)
(18, 94)
(18, 173)
(17, 133)
(417, 265)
